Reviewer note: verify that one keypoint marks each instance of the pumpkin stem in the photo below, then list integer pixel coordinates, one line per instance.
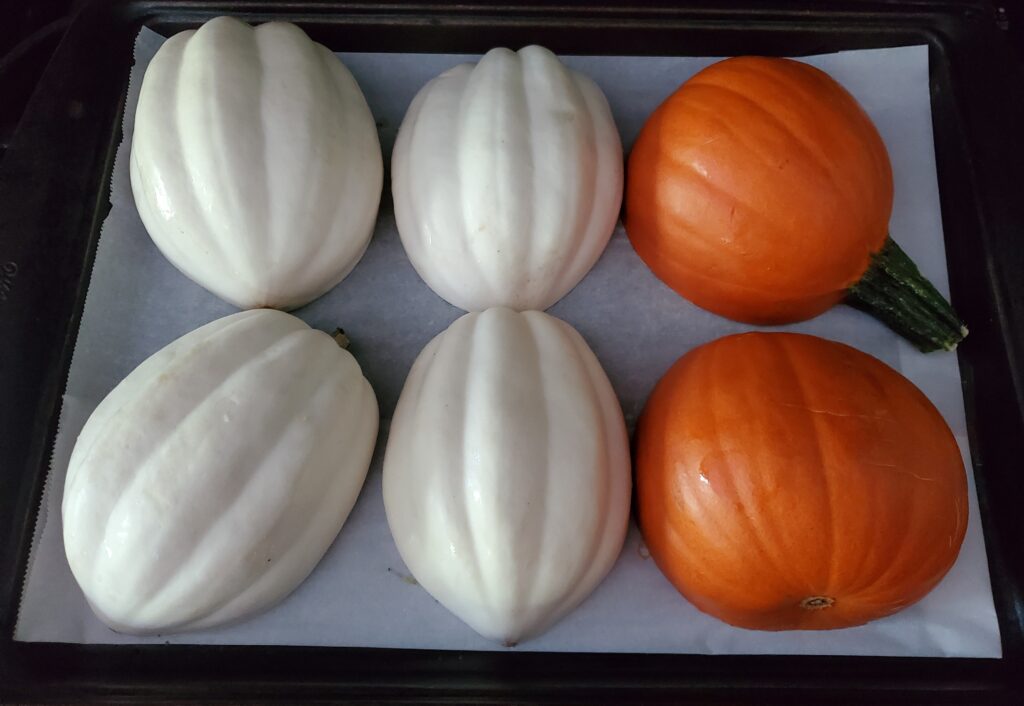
(340, 338)
(817, 602)
(894, 291)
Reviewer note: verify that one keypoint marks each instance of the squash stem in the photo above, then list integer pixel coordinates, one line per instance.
(894, 291)
(340, 338)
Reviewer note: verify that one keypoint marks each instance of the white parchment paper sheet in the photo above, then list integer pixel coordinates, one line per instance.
(361, 593)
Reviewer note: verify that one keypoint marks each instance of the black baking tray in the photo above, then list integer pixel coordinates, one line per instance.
(54, 184)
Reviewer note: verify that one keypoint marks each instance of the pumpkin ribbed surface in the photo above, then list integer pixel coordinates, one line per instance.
(788, 482)
(759, 190)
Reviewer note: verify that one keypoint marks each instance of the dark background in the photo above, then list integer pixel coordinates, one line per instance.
(31, 29)
(29, 32)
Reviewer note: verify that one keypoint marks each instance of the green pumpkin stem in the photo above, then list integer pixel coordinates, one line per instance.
(894, 291)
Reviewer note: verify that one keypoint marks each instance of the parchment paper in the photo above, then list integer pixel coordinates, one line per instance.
(361, 593)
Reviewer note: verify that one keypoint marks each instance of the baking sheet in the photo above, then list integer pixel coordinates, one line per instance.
(361, 594)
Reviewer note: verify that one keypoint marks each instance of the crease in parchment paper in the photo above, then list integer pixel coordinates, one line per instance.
(360, 594)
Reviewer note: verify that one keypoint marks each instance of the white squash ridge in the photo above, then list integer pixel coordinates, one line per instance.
(614, 425)
(344, 380)
(309, 181)
(224, 233)
(410, 405)
(342, 508)
(203, 205)
(171, 248)
(512, 596)
(241, 194)
(213, 186)
(509, 110)
(140, 474)
(423, 208)
(569, 218)
(457, 520)
(486, 387)
(115, 402)
(340, 75)
(463, 509)
(458, 262)
(254, 486)
(537, 259)
(434, 380)
(527, 592)
(454, 274)
(266, 76)
(580, 570)
(521, 181)
(581, 261)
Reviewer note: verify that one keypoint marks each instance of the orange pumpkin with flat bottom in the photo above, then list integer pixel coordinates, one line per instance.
(787, 482)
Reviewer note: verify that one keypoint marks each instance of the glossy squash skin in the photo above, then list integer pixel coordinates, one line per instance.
(759, 190)
(507, 475)
(255, 162)
(210, 482)
(789, 482)
(507, 180)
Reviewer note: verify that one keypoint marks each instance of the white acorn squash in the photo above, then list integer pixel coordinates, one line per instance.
(507, 472)
(255, 162)
(507, 180)
(207, 485)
